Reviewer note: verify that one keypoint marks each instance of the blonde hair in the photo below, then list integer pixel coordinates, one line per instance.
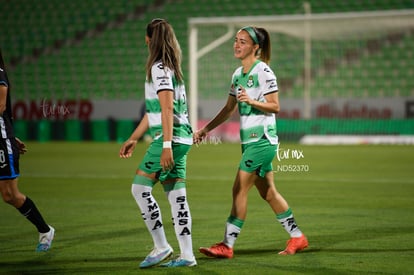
(164, 47)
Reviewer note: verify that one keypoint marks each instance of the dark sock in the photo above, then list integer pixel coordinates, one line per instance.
(30, 211)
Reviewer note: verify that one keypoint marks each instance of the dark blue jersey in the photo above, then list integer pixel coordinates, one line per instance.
(6, 130)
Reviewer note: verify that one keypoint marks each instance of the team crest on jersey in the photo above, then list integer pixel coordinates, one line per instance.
(250, 82)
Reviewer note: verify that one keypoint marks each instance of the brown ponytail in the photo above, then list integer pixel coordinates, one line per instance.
(264, 44)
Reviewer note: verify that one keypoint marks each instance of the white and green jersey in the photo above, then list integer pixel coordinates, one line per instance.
(163, 78)
(258, 82)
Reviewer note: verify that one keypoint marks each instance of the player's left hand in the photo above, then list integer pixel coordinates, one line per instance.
(167, 160)
(21, 145)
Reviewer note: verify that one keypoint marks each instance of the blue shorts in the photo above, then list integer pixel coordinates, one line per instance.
(9, 159)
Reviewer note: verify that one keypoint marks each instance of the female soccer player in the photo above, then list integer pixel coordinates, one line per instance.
(10, 150)
(255, 91)
(165, 160)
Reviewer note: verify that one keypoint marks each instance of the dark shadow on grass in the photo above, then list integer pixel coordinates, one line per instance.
(45, 264)
(54, 269)
(321, 243)
(80, 267)
(258, 252)
(49, 262)
(103, 235)
(363, 250)
(272, 265)
(267, 251)
(68, 236)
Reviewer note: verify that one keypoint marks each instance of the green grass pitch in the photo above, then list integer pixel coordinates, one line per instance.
(354, 203)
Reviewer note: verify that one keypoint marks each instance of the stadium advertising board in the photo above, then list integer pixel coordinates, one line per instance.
(85, 109)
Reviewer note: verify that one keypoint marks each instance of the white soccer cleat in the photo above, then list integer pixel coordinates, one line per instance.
(45, 240)
(156, 256)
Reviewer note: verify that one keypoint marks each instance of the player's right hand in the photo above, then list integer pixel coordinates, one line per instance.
(21, 145)
(198, 136)
(127, 148)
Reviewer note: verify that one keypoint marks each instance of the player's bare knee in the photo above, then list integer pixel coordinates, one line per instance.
(270, 197)
(12, 198)
(8, 197)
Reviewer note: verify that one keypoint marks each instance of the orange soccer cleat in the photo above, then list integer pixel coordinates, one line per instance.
(294, 245)
(219, 250)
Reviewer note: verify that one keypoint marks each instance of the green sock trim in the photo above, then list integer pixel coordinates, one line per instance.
(173, 186)
(138, 179)
(285, 214)
(235, 221)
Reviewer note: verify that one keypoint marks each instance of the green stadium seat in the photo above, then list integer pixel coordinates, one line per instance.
(44, 131)
(21, 129)
(123, 48)
(124, 130)
(73, 130)
(100, 130)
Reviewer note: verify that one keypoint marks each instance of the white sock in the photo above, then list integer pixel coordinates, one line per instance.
(288, 222)
(182, 221)
(233, 229)
(151, 214)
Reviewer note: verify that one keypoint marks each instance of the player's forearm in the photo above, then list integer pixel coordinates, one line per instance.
(221, 117)
(141, 128)
(266, 107)
(167, 122)
(3, 98)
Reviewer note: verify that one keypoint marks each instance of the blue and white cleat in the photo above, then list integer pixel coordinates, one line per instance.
(180, 262)
(156, 256)
(45, 240)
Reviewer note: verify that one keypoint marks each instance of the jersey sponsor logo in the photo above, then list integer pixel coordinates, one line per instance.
(162, 77)
(3, 165)
(272, 86)
(250, 82)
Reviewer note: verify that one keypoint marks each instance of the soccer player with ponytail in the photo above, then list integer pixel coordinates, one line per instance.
(166, 158)
(254, 91)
